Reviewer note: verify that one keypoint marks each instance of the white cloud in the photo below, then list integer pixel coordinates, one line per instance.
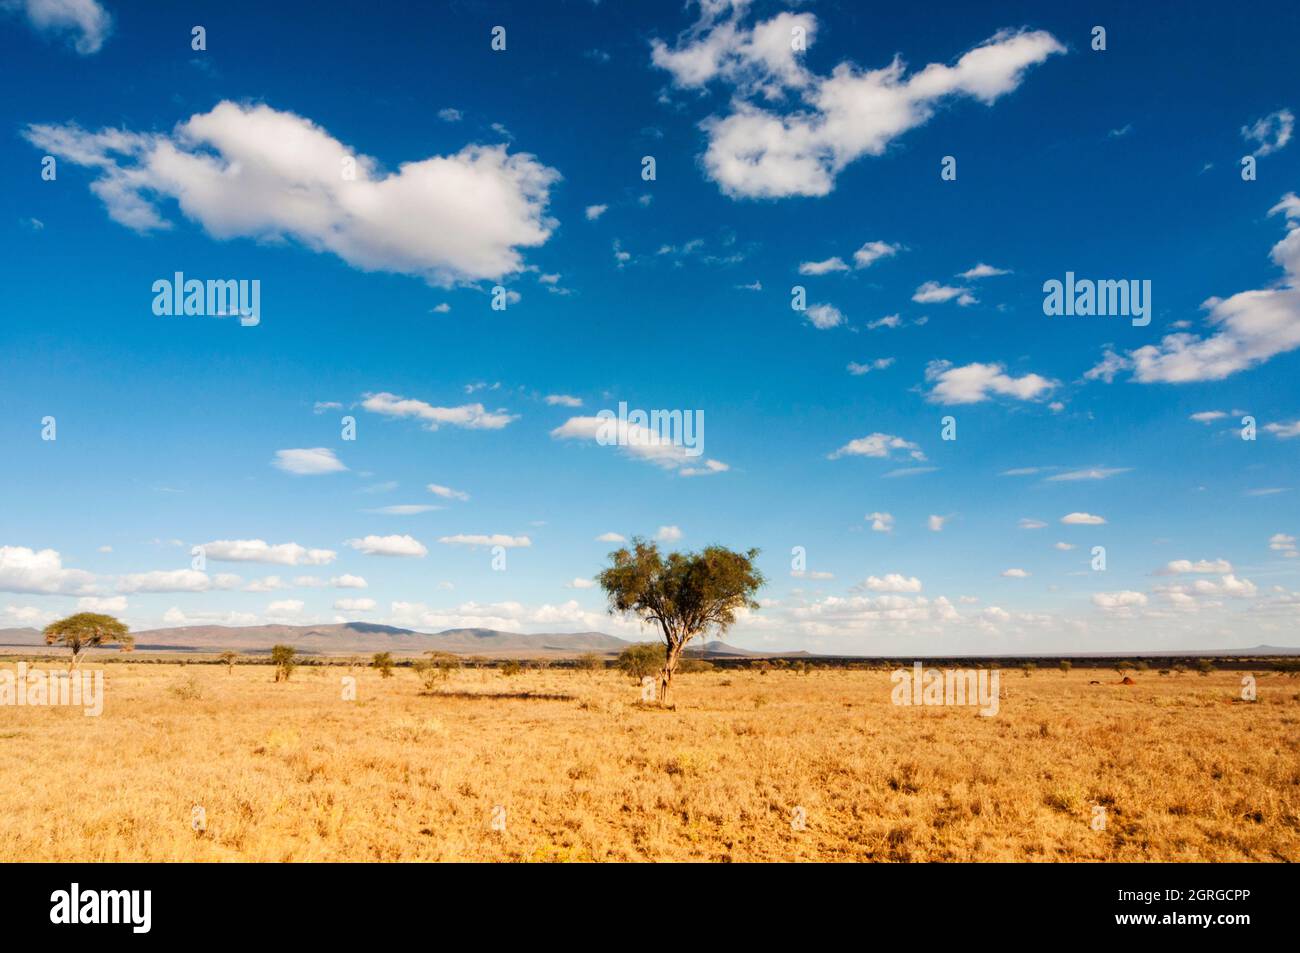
(260, 551)
(1250, 327)
(879, 364)
(646, 443)
(40, 571)
(974, 383)
(936, 523)
(982, 271)
(888, 321)
(468, 416)
(87, 20)
(1082, 519)
(496, 539)
(354, 605)
(449, 114)
(1015, 573)
(394, 545)
(1207, 416)
(1094, 473)
(610, 538)
(878, 445)
(880, 522)
(563, 400)
(893, 582)
(823, 267)
(402, 509)
(1284, 431)
(755, 152)
(308, 462)
(595, 211)
(1272, 132)
(1209, 566)
(1063, 547)
(285, 608)
(447, 493)
(250, 171)
(348, 581)
(872, 252)
(825, 316)
(176, 580)
(109, 604)
(1027, 523)
(266, 584)
(579, 583)
(1124, 600)
(668, 534)
(931, 292)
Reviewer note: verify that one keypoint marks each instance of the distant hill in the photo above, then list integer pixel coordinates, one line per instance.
(350, 638)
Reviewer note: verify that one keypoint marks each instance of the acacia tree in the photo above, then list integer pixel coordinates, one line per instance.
(229, 658)
(79, 632)
(686, 594)
(283, 657)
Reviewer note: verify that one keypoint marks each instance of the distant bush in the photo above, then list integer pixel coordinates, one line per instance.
(283, 658)
(436, 669)
(642, 659)
(1204, 666)
(188, 690)
(1065, 666)
(688, 666)
(589, 662)
(384, 662)
(511, 668)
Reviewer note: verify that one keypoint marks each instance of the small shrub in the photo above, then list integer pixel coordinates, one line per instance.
(384, 662)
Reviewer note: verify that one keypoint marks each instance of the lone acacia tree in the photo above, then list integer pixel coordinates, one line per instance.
(685, 593)
(79, 632)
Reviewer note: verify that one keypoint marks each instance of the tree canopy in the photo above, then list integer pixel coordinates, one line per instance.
(685, 594)
(85, 629)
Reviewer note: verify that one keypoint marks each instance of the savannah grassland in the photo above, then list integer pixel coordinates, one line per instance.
(290, 772)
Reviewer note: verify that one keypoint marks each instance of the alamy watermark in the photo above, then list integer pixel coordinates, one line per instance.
(953, 686)
(216, 298)
(42, 688)
(655, 428)
(1126, 298)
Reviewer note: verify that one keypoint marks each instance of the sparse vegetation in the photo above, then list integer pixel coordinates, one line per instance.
(383, 662)
(229, 659)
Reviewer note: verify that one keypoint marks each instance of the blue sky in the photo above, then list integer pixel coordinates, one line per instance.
(775, 168)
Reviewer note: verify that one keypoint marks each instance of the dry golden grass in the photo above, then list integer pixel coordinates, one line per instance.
(290, 772)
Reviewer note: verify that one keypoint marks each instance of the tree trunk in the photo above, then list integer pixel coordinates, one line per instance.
(671, 656)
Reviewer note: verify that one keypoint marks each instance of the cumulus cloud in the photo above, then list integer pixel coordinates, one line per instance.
(1015, 573)
(879, 364)
(40, 571)
(756, 151)
(931, 292)
(176, 580)
(1179, 566)
(348, 581)
(1125, 599)
(878, 445)
(982, 271)
(1082, 519)
(824, 316)
(1027, 523)
(668, 534)
(611, 538)
(250, 171)
(354, 605)
(653, 443)
(892, 582)
(975, 383)
(935, 523)
(563, 400)
(1249, 327)
(308, 462)
(823, 267)
(395, 545)
(110, 604)
(86, 21)
(1284, 431)
(579, 583)
(872, 252)
(468, 416)
(1207, 416)
(260, 551)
